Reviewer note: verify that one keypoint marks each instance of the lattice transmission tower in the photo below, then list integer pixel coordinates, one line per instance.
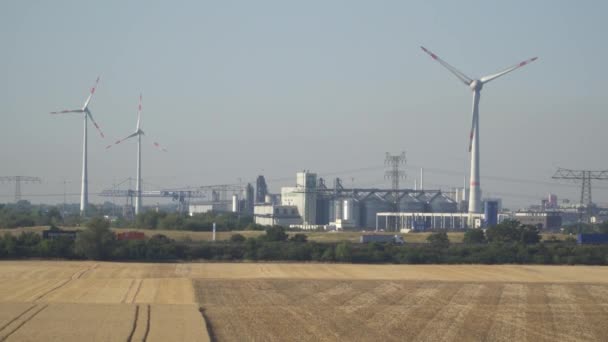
(18, 180)
(585, 176)
(395, 174)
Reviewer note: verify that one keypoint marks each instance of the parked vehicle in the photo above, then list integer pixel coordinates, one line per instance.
(368, 238)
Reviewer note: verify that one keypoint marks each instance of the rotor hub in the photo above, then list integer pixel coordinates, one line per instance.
(476, 85)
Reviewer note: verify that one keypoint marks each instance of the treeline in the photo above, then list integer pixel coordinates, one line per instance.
(197, 222)
(508, 243)
(23, 214)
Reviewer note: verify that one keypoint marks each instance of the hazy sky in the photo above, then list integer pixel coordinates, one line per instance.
(238, 88)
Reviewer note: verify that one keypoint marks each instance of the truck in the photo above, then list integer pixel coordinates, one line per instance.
(369, 238)
(592, 239)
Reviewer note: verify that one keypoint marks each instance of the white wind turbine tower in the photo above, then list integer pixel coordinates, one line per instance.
(138, 133)
(84, 193)
(475, 85)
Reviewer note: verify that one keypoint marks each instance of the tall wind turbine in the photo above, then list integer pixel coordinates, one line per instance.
(84, 192)
(476, 85)
(138, 133)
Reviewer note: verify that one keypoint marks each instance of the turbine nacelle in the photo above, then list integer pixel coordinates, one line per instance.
(476, 85)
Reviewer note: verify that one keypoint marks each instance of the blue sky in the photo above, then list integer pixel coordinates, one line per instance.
(238, 88)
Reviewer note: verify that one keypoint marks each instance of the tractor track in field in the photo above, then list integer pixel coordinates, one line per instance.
(137, 291)
(3, 338)
(79, 274)
(74, 276)
(136, 316)
(124, 298)
(17, 317)
(147, 331)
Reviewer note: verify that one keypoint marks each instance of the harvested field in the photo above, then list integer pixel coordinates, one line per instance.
(91, 301)
(86, 301)
(364, 310)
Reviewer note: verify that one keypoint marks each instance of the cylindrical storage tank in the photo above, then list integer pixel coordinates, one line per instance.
(491, 213)
(336, 209)
(443, 204)
(411, 204)
(235, 203)
(351, 211)
(372, 206)
(323, 210)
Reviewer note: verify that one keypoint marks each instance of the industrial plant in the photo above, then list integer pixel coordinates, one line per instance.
(313, 202)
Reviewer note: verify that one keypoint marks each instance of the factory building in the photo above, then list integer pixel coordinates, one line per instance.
(277, 215)
(419, 221)
(551, 220)
(241, 201)
(303, 196)
(206, 207)
(338, 207)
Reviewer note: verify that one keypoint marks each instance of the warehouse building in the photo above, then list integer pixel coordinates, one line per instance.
(269, 214)
(550, 220)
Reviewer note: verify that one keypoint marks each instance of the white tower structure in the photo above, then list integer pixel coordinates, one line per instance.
(84, 192)
(476, 85)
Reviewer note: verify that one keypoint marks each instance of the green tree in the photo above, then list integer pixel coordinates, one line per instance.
(504, 232)
(172, 221)
(529, 234)
(603, 227)
(237, 238)
(149, 219)
(474, 236)
(96, 241)
(344, 251)
(299, 238)
(275, 233)
(439, 240)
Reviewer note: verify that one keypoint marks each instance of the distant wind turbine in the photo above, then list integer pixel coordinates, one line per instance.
(84, 193)
(475, 85)
(138, 133)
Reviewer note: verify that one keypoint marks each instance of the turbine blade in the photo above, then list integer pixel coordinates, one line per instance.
(123, 139)
(464, 78)
(157, 145)
(488, 78)
(68, 111)
(86, 103)
(139, 114)
(94, 123)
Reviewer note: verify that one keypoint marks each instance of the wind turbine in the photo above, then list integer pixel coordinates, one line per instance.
(84, 193)
(138, 133)
(476, 85)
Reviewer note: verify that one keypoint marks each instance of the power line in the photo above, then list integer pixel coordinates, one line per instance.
(585, 176)
(18, 180)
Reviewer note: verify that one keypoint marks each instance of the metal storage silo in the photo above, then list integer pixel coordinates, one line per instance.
(351, 211)
(372, 206)
(323, 210)
(411, 204)
(443, 204)
(336, 209)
